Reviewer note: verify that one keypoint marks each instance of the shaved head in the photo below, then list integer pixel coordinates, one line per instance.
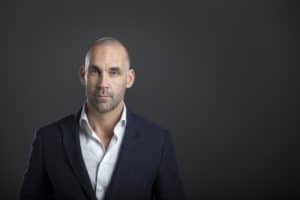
(103, 42)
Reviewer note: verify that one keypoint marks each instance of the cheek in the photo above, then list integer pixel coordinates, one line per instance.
(91, 82)
(119, 87)
(89, 89)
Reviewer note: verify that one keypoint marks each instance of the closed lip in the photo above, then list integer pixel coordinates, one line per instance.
(102, 96)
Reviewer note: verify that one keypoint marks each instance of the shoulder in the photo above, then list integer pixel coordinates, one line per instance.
(54, 127)
(143, 122)
(148, 127)
(152, 135)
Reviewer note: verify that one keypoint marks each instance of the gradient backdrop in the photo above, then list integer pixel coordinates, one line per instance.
(221, 75)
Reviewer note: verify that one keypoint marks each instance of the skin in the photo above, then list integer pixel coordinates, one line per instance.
(105, 80)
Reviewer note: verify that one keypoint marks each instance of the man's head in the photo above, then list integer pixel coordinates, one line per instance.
(106, 74)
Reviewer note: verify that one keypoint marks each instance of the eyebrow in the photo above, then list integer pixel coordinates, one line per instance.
(115, 68)
(93, 67)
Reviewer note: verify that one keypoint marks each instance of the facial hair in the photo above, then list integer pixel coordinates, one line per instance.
(103, 106)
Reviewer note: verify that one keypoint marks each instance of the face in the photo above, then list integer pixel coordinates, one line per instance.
(106, 77)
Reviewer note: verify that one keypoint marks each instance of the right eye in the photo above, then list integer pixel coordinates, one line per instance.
(93, 70)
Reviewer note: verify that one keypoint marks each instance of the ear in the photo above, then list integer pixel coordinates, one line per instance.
(82, 74)
(130, 78)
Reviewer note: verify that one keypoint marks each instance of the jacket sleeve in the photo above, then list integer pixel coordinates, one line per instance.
(35, 184)
(168, 184)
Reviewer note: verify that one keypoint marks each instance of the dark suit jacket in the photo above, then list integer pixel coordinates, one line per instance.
(146, 167)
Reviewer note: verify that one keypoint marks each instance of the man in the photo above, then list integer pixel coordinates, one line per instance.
(104, 151)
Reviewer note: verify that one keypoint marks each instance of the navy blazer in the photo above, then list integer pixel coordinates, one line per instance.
(146, 168)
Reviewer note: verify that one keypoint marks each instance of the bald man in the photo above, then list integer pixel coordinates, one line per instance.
(104, 151)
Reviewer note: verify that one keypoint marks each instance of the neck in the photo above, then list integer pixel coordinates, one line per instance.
(104, 122)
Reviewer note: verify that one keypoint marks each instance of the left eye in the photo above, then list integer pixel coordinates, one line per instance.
(113, 72)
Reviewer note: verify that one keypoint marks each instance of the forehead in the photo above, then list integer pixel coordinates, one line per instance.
(108, 54)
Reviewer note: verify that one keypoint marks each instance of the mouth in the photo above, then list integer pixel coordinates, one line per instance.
(102, 97)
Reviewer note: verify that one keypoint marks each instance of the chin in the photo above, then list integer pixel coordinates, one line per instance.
(102, 109)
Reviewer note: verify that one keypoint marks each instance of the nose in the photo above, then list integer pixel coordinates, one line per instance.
(103, 81)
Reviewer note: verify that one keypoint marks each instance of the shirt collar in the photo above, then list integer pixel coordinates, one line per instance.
(120, 125)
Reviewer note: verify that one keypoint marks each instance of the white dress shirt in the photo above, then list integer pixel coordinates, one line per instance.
(100, 163)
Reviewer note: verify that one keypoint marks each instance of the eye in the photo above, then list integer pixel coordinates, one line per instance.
(93, 70)
(114, 72)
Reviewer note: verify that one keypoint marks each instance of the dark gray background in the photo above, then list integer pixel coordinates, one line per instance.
(221, 75)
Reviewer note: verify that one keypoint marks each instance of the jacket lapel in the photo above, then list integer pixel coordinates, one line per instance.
(71, 143)
(124, 161)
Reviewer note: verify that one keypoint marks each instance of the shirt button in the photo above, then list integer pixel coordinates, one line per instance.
(100, 189)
